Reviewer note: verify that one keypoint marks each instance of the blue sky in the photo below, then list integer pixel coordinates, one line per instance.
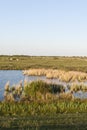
(43, 27)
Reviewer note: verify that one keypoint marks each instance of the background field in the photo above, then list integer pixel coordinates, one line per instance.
(26, 62)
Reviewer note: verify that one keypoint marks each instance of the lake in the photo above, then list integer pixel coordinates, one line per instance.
(15, 76)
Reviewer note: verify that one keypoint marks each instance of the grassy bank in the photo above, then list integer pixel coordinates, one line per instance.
(26, 62)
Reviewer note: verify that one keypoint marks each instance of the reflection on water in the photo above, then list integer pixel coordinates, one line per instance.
(15, 76)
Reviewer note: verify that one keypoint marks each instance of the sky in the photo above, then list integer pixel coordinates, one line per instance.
(43, 27)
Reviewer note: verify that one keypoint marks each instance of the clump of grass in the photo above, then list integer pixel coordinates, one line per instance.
(42, 89)
(34, 90)
(78, 87)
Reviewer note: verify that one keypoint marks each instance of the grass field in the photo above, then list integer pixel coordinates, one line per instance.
(59, 122)
(54, 62)
(18, 116)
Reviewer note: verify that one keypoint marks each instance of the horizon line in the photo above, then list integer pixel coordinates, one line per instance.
(41, 55)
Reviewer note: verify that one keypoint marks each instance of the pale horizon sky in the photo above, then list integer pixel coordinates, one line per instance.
(43, 27)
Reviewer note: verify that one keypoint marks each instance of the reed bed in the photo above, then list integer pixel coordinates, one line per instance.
(65, 76)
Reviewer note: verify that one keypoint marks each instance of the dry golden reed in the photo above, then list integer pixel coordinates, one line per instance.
(60, 74)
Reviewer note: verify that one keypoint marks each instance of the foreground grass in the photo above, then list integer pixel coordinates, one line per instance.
(26, 62)
(40, 108)
(56, 115)
(47, 115)
(57, 122)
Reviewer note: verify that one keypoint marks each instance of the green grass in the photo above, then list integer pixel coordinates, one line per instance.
(54, 114)
(31, 116)
(26, 62)
(56, 122)
(42, 108)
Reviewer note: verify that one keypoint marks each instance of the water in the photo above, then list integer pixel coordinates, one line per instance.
(15, 76)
